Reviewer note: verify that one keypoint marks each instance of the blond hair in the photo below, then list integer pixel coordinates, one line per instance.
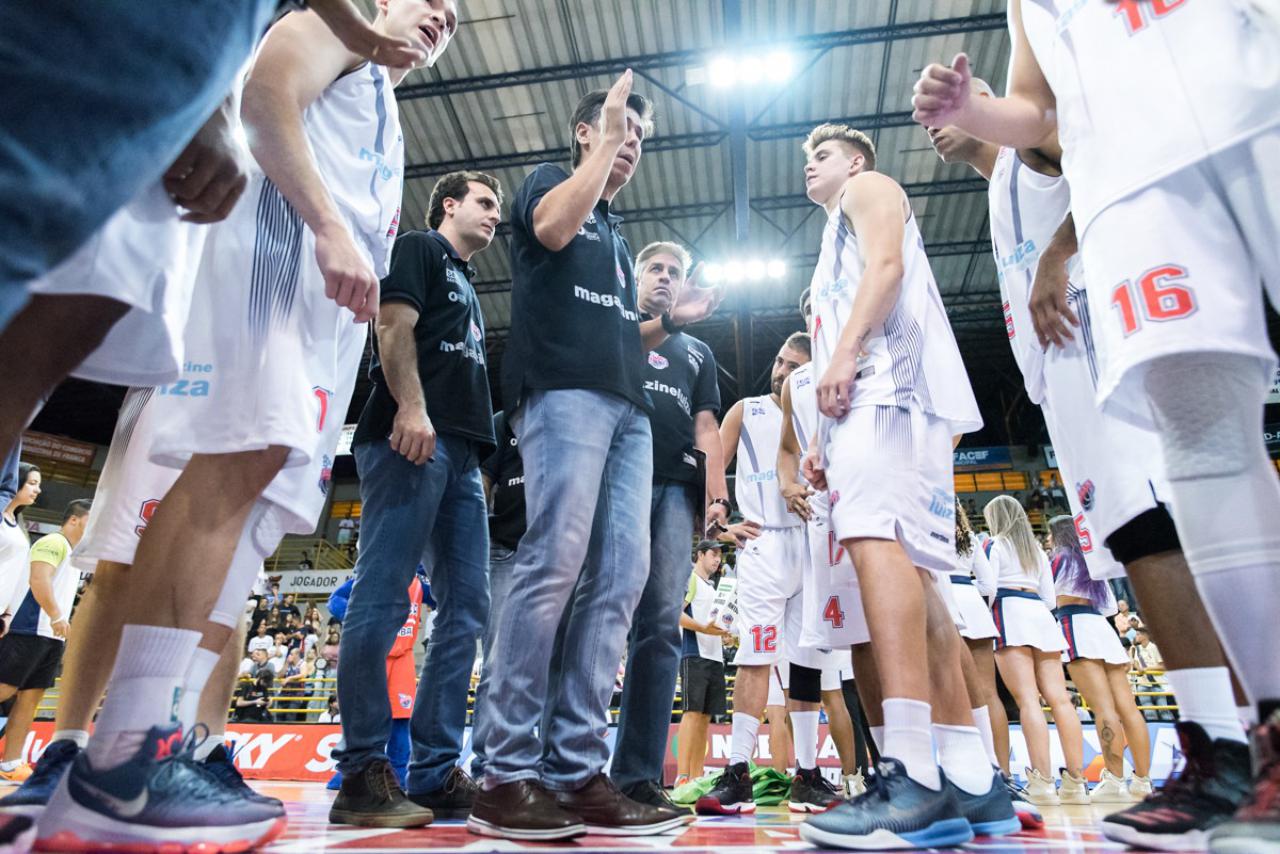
(1006, 520)
(663, 247)
(844, 134)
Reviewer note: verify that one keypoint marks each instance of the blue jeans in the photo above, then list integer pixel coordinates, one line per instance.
(99, 99)
(406, 509)
(653, 649)
(588, 464)
(502, 561)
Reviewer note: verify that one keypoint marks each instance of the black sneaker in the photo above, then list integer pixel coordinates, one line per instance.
(33, 795)
(452, 800)
(894, 812)
(221, 765)
(373, 798)
(731, 795)
(811, 792)
(650, 793)
(1213, 783)
(991, 813)
(1255, 828)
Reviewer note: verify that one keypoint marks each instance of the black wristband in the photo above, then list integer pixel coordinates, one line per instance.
(668, 326)
(721, 501)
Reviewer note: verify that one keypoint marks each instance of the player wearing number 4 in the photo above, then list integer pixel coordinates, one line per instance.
(1172, 159)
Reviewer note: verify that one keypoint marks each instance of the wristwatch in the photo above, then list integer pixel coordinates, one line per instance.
(721, 501)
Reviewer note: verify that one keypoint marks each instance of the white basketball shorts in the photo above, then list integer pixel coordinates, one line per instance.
(770, 572)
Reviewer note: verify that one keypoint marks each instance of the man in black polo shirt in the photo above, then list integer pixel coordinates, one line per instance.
(573, 386)
(418, 447)
(680, 376)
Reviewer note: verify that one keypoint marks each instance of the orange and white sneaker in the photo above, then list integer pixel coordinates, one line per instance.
(18, 775)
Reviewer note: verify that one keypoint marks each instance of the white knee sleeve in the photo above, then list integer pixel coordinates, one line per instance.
(262, 533)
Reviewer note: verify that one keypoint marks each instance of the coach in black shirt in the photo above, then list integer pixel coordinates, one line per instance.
(680, 377)
(418, 447)
(572, 386)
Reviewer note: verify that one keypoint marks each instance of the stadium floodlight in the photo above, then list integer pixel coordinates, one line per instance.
(727, 71)
(743, 270)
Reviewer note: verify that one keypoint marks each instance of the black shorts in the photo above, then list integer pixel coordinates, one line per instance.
(702, 686)
(30, 661)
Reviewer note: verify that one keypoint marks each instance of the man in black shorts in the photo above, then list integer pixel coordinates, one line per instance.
(702, 686)
(31, 652)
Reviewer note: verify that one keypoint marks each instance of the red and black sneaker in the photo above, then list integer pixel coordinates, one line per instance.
(1214, 782)
(1255, 829)
(732, 794)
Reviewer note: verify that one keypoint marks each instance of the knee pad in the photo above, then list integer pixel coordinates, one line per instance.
(1146, 534)
(1206, 408)
(261, 534)
(806, 684)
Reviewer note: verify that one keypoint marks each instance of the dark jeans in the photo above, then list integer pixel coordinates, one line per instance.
(406, 509)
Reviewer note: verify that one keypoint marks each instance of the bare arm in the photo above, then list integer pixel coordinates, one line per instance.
(412, 434)
(794, 492)
(42, 591)
(563, 210)
(1051, 315)
(730, 430)
(299, 59)
(706, 438)
(1024, 118)
(873, 205)
(651, 332)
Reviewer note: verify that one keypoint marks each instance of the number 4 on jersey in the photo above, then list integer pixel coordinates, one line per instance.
(833, 613)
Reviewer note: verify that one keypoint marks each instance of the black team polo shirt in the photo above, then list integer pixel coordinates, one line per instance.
(680, 376)
(574, 321)
(428, 274)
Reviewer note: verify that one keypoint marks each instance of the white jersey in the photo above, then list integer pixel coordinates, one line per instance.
(756, 483)
(911, 361)
(361, 161)
(14, 547)
(804, 405)
(1144, 90)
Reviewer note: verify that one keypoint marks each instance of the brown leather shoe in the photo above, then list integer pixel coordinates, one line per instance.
(608, 812)
(522, 810)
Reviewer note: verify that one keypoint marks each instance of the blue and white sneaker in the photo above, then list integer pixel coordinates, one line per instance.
(30, 798)
(894, 813)
(160, 801)
(991, 813)
(221, 764)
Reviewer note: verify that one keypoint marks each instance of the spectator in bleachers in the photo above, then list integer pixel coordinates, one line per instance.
(312, 615)
(259, 616)
(1125, 621)
(255, 664)
(329, 652)
(253, 699)
(331, 715)
(260, 640)
(293, 685)
(1144, 654)
(279, 652)
(273, 598)
(288, 606)
(346, 529)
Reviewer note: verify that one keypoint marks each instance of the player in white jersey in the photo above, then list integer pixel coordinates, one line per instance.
(770, 572)
(314, 230)
(1177, 319)
(893, 385)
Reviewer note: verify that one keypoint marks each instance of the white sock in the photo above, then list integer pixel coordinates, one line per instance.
(908, 737)
(10, 764)
(145, 690)
(982, 720)
(963, 757)
(210, 744)
(877, 735)
(745, 729)
(1204, 696)
(804, 731)
(1248, 716)
(202, 663)
(79, 736)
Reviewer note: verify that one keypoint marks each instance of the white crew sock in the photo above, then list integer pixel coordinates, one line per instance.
(1248, 716)
(982, 720)
(10, 764)
(210, 744)
(804, 726)
(908, 737)
(877, 735)
(745, 729)
(197, 677)
(145, 690)
(1204, 696)
(79, 736)
(963, 758)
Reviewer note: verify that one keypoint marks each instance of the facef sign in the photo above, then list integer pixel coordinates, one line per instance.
(1050, 457)
(313, 582)
(978, 459)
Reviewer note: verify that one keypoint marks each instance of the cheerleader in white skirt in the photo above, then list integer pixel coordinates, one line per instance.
(1029, 646)
(1099, 666)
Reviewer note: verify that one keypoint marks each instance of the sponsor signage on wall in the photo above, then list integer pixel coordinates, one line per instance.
(1273, 396)
(57, 448)
(312, 582)
(344, 440)
(1271, 435)
(1050, 457)
(978, 459)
